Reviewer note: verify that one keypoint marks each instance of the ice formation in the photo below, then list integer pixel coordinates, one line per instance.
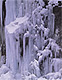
(31, 51)
(19, 8)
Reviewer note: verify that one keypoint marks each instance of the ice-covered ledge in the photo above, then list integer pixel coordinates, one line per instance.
(13, 26)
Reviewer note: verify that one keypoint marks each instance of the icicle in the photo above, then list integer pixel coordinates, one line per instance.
(53, 21)
(26, 51)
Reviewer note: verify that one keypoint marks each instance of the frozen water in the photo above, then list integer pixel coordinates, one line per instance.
(31, 51)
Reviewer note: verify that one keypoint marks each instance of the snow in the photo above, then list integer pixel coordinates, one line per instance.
(44, 53)
(4, 69)
(54, 2)
(6, 74)
(35, 48)
(42, 78)
(16, 24)
(57, 75)
(32, 77)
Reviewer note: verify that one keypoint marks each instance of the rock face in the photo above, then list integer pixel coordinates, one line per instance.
(30, 44)
(57, 11)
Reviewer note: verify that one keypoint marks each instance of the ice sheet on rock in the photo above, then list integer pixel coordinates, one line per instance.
(18, 76)
(53, 76)
(56, 63)
(7, 76)
(34, 68)
(57, 75)
(4, 69)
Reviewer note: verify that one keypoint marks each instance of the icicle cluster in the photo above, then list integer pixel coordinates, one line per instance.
(29, 46)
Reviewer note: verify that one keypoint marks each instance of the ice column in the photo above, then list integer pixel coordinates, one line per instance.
(50, 19)
(26, 51)
(31, 55)
(7, 48)
(13, 61)
(10, 11)
(38, 40)
(53, 22)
